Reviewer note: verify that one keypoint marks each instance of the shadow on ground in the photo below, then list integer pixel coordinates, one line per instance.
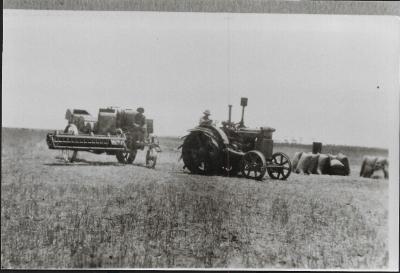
(84, 162)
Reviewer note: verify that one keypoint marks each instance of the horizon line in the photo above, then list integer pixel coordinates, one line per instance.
(278, 141)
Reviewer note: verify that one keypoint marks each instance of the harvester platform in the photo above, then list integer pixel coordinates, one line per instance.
(86, 142)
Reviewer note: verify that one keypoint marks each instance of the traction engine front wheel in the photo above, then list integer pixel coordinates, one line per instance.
(281, 166)
(253, 165)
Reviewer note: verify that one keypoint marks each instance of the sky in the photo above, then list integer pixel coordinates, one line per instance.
(327, 78)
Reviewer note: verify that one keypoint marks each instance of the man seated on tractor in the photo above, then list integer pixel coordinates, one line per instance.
(205, 120)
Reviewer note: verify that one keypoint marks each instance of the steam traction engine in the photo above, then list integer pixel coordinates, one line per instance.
(233, 149)
(113, 133)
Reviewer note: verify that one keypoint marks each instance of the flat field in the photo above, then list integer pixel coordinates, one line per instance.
(99, 213)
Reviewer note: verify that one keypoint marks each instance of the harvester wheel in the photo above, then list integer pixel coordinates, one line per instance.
(151, 158)
(126, 157)
(284, 168)
(253, 165)
(70, 155)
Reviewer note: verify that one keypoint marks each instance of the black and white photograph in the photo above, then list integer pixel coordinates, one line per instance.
(201, 135)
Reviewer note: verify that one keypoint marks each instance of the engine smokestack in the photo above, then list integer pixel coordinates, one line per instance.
(243, 103)
(230, 113)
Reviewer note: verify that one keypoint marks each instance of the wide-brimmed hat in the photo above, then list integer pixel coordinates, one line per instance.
(207, 112)
(140, 110)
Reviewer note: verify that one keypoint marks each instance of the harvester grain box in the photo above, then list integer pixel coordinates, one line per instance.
(233, 149)
(112, 133)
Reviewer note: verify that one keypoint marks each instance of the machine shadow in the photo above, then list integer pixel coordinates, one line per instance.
(238, 176)
(86, 163)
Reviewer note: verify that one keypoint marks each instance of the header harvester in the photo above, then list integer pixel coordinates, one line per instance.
(113, 132)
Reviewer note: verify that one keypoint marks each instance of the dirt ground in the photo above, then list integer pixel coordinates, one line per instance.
(99, 213)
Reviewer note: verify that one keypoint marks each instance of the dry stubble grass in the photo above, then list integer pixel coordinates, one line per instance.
(102, 214)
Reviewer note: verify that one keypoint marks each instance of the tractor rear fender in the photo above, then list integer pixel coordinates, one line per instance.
(214, 132)
(217, 136)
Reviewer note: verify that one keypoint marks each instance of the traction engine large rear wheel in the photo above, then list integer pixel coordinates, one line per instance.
(200, 154)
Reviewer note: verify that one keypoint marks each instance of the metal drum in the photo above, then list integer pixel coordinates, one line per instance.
(126, 118)
(107, 121)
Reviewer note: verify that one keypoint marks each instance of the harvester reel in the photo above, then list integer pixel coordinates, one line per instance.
(70, 156)
(199, 154)
(283, 166)
(253, 165)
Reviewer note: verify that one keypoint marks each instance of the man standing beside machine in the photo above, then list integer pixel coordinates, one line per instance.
(139, 123)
